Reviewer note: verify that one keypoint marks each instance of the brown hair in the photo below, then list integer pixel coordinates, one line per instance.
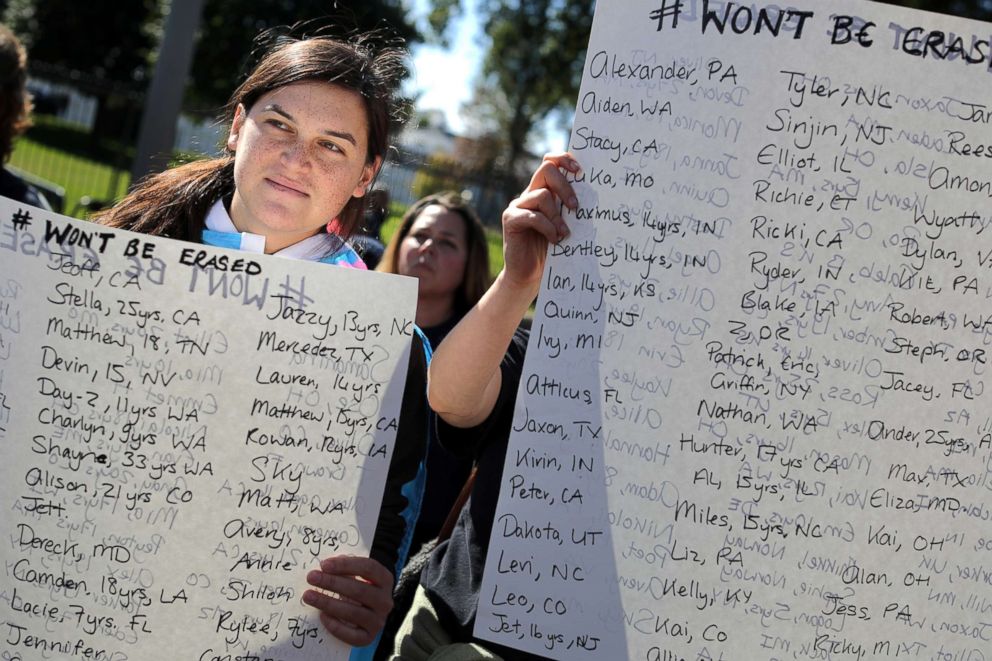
(476, 278)
(174, 203)
(15, 102)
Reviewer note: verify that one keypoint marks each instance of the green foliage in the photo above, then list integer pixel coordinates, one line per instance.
(110, 47)
(69, 156)
(435, 176)
(533, 65)
(494, 241)
(105, 38)
(392, 222)
(229, 28)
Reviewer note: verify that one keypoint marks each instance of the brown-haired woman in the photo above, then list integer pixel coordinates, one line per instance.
(309, 131)
(442, 243)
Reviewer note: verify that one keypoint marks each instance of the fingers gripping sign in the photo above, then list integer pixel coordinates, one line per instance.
(354, 598)
(534, 219)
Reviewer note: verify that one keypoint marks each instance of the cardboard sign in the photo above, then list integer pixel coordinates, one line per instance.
(187, 431)
(754, 421)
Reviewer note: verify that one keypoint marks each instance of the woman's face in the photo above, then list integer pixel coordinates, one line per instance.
(435, 251)
(300, 155)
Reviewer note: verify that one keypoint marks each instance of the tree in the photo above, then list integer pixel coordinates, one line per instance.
(229, 28)
(107, 39)
(533, 66)
(112, 44)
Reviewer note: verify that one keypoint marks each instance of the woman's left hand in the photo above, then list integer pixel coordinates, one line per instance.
(364, 597)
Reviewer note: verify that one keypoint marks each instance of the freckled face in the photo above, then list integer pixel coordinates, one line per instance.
(300, 155)
(435, 251)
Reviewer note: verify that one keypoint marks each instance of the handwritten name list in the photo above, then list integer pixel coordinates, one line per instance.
(753, 421)
(186, 431)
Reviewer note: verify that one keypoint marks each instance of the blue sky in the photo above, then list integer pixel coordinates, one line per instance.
(443, 77)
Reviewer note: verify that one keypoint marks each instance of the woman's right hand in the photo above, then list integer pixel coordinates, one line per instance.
(465, 376)
(534, 219)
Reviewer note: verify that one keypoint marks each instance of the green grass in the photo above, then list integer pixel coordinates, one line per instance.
(494, 239)
(74, 168)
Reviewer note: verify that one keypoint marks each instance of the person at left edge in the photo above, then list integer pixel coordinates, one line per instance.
(309, 129)
(15, 116)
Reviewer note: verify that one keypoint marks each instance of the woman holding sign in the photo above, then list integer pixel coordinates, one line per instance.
(309, 129)
(440, 241)
(472, 387)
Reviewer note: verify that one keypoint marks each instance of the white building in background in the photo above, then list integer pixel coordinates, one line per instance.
(427, 134)
(203, 136)
(465, 160)
(193, 134)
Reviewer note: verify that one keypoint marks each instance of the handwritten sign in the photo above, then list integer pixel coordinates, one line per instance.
(186, 431)
(753, 421)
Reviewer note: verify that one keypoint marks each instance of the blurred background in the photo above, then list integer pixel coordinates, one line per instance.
(492, 87)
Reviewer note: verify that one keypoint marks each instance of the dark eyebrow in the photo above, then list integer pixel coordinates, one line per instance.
(344, 135)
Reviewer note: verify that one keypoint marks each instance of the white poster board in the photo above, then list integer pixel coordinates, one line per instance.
(753, 420)
(186, 432)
